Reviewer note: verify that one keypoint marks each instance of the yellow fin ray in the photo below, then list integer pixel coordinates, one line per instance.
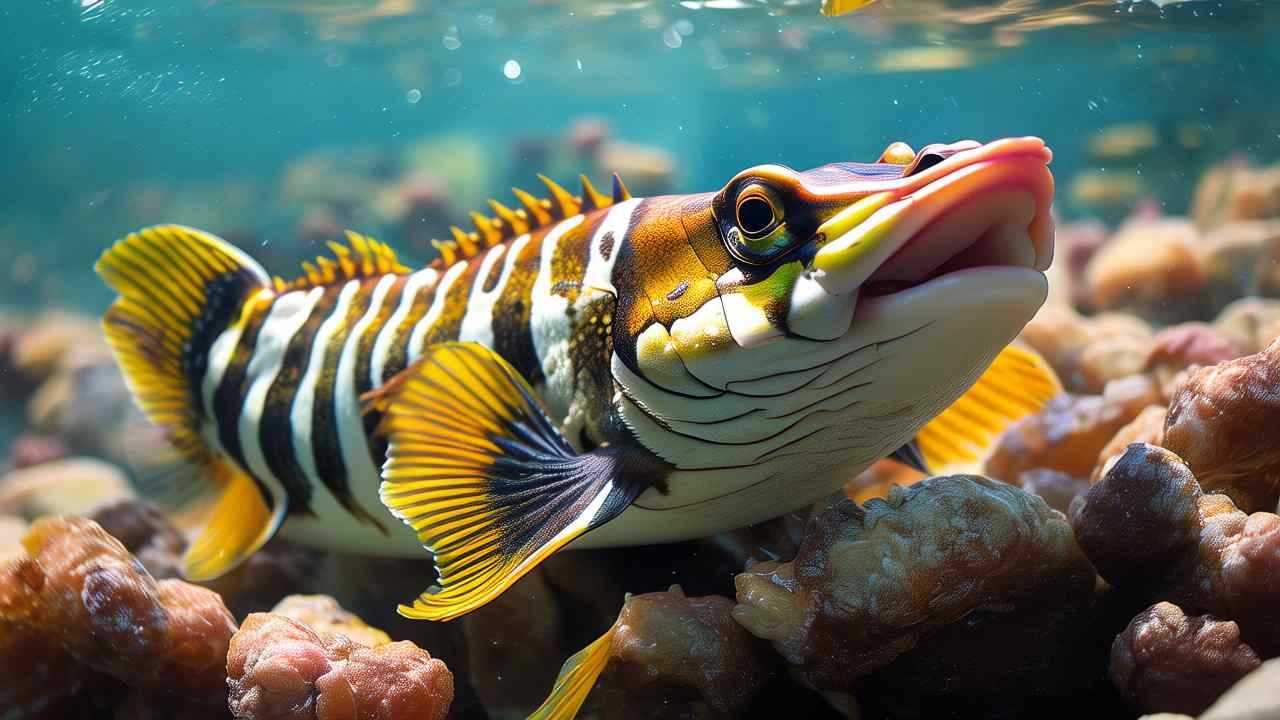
(485, 480)
(1018, 383)
(577, 676)
(175, 285)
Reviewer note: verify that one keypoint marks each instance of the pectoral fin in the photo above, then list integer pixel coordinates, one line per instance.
(490, 486)
(1018, 383)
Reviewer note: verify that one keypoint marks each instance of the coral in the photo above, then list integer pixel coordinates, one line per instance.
(1068, 434)
(91, 609)
(1149, 267)
(278, 667)
(70, 486)
(1181, 346)
(1147, 427)
(1235, 191)
(1237, 259)
(1087, 353)
(1252, 323)
(1057, 488)
(324, 615)
(678, 656)
(1150, 531)
(1165, 661)
(1214, 421)
(871, 583)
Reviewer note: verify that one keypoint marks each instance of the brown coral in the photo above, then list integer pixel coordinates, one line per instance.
(1252, 323)
(1149, 267)
(1165, 661)
(870, 583)
(1070, 431)
(279, 668)
(1217, 423)
(677, 656)
(1087, 353)
(1150, 530)
(80, 597)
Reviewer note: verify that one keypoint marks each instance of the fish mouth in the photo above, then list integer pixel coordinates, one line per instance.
(986, 206)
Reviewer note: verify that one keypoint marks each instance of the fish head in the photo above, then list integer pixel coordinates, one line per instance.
(889, 286)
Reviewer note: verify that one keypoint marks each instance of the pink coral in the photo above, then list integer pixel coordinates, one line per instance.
(279, 668)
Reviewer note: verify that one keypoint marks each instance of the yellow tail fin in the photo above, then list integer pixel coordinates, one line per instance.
(178, 289)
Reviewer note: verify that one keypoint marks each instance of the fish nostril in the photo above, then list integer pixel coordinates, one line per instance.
(927, 161)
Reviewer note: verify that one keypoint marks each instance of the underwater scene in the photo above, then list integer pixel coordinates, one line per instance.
(399, 359)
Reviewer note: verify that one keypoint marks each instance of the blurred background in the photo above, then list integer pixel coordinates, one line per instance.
(278, 123)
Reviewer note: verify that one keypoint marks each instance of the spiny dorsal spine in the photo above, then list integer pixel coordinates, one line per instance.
(361, 257)
(533, 213)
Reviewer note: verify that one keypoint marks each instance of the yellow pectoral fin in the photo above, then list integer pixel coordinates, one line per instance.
(1018, 383)
(490, 486)
(577, 676)
(239, 522)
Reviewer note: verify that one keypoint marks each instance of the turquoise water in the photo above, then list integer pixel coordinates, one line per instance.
(120, 113)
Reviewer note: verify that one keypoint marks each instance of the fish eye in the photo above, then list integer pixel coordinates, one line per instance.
(758, 212)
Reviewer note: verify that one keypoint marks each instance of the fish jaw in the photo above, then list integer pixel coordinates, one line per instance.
(982, 206)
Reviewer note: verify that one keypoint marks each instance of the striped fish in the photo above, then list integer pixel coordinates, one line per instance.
(592, 370)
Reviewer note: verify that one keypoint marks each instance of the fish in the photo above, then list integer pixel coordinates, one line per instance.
(590, 370)
(836, 8)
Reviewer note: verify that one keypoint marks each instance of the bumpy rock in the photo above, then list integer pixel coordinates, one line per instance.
(1217, 422)
(1151, 268)
(92, 610)
(280, 668)
(1150, 531)
(1252, 323)
(871, 583)
(324, 615)
(1068, 434)
(1165, 661)
(1087, 353)
(1181, 346)
(1057, 488)
(676, 656)
(73, 486)
(1147, 427)
(1235, 191)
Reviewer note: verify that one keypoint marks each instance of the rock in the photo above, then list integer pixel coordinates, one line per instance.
(1071, 431)
(1214, 425)
(1151, 268)
(278, 667)
(1152, 533)
(872, 583)
(93, 611)
(72, 486)
(1166, 661)
(324, 615)
(1256, 697)
(1251, 323)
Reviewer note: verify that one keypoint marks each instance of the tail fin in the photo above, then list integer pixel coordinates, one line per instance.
(179, 289)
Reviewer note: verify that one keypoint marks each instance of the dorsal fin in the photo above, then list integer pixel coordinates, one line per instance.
(533, 213)
(359, 257)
